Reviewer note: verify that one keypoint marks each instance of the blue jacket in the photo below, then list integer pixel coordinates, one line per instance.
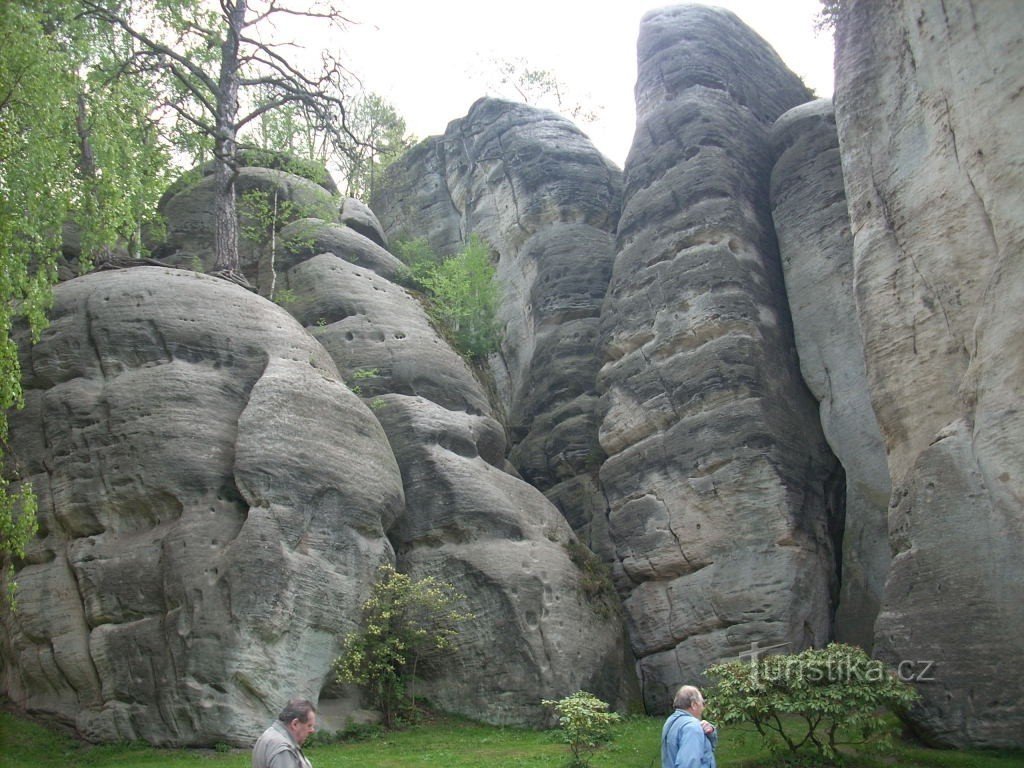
(684, 743)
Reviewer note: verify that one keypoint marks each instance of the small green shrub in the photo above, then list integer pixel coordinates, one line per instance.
(809, 702)
(407, 626)
(586, 724)
(285, 297)
(461, 293)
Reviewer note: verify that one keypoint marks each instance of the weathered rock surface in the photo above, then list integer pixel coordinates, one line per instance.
(309, 237)
(537, 632)
(357, 215)
(213, 503)
(502, 543)
(816, 248)
(928, 110)
(546, 202)
(718, 478)
(380, 335)
(189, 240)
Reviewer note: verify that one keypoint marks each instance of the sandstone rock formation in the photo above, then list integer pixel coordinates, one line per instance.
(189, 213)
(537, 631)
(546, 202)
(816, 248)
(213, 503)
(305, 238)
(719, 481)
(928, 111)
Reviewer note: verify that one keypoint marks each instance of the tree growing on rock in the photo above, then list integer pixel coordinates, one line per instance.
(222, 70)
(407, 624)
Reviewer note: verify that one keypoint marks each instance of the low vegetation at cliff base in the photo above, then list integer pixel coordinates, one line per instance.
(407, 627)
(585, 723)
(811, 702)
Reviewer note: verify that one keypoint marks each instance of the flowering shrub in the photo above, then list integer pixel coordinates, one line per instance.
(406, 623)
(585, 723)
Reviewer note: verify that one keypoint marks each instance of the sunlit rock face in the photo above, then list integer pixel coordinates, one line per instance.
(816, 249)
(928, 111)
(213, 503)
(546, 202)
(722, 491)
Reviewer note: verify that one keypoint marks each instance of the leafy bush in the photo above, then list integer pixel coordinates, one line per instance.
(407, 624)
(810, 701)
(462, 296)
(585, 723)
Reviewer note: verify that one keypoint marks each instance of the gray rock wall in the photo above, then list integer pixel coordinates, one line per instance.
(718, 476)
(546, 202)
(812, 225)
(213, 502)
(928, 110)
(537, 632)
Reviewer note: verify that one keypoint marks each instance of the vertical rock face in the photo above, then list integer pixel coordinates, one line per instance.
(718, 476)
(535, 189)
(213, 502)
(816, 248)
(537, 631)
(928, 110)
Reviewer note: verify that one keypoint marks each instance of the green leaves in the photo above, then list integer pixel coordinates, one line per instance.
(585, 723)
(406, 623)
(462, 294)
(814, 700)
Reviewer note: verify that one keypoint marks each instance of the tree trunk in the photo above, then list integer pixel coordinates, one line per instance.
(87, 167)
(225, 146)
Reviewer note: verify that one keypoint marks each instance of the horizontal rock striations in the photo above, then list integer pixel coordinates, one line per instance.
(539, 630)
(928, 107)
(266, 199)
(213, 502)
(546, 202)
(816, 249)
(720, 484)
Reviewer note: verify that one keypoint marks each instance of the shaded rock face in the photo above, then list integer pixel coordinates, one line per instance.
(536, 631)
(720, 485)
(546, 202)
(189, 240)
(213, 502)
(928, 112)
(816, 248)
(310, 237)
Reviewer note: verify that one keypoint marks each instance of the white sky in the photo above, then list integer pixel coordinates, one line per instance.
(429, 58)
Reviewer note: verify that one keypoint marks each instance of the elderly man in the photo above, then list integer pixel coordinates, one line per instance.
(280, 746)
(686, 740)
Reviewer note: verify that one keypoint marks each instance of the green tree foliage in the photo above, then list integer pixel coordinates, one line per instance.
(462, 295)
(586, 724)
(222, 69)
(407, 626)
(75, 145)
(812, 701)
(381, 138)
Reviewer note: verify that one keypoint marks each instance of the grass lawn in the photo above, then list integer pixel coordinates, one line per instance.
(450, 743)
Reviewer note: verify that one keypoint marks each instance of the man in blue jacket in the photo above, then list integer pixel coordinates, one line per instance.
(686, 740)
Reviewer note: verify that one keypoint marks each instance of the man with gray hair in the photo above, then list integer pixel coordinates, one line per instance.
(686, 740)
(280, 746)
